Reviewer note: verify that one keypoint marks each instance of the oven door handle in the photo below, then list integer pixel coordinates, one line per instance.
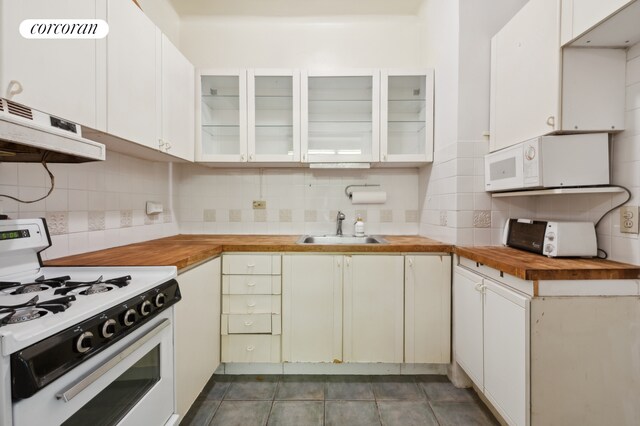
(90, 378)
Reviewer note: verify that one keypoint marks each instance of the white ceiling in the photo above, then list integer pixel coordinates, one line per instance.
(296, 7)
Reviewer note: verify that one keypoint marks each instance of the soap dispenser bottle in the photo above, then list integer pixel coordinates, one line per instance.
(359, 227)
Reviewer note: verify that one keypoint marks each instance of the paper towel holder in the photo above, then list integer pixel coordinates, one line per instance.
(350, 194)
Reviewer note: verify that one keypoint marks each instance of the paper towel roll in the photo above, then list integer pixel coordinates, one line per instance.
(378, 197)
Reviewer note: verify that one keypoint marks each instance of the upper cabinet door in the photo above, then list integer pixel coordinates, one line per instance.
(273, 115)
(178, 103)
(340, 116)
(525, 75)
(56, 76)
(133, 104)
(222, 121)
(579, 16)
(406, 116)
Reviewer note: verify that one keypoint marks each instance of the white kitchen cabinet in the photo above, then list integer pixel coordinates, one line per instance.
(312, 308)
(251, 323)
(178, 103)
(58, 77)
(197, 331)
(506, 351)
(273, 97)
(222, 122)
(133, 75)
(406, 115)
(491, 341)
(343, 308)
(467, 323)
(373, 308)
(340, 116)
(579, 16)
(538, 89)
(427, 309)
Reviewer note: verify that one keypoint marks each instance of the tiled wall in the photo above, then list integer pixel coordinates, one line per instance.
(298, 201)
(94, 205)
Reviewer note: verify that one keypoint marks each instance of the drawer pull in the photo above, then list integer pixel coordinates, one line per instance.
(250, 265)
(248, 323)
(251, 284)
(251, 304)
(480, 287)
(250, 348)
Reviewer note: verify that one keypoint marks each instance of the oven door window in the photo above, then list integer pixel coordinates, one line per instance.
(116, 400)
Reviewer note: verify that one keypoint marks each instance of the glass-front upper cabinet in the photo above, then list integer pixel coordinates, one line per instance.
(274, 115)
(340, 116)
(406, 116)
(223, 116)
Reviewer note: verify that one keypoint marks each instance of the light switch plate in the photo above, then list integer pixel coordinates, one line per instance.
(154, 207)
(629, 219)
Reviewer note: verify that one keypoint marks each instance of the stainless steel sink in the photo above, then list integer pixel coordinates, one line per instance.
(340, 239)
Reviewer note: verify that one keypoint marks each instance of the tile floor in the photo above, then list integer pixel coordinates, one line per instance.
(336, 400)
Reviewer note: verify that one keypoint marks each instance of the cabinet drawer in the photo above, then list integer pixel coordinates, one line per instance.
(251, 264)
(251, 348)
(246, 324)
(251, 284)
(250, 304)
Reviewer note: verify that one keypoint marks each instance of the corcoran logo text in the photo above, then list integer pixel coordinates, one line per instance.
(64, 28)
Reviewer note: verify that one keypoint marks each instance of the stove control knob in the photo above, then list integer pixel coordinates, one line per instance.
(145, 308)
(108, 328)
(83, 343)
(129, 317)
(548, 248)
(160, 299)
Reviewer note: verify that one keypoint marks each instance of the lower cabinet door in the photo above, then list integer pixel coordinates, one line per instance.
(373, 308)
(197, 331)
(312, 308)
(427, 309)
(506, 352)
(467, 323)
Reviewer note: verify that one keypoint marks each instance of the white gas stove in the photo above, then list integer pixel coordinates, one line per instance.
(80, 345)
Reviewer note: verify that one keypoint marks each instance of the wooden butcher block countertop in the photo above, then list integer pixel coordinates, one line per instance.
(534, 267)
(187, 250)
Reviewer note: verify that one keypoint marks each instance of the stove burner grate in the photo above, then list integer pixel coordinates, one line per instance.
(40, 284)
(31, 309)
(94, 287)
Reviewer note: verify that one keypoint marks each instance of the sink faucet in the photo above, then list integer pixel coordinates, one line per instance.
(339, 220)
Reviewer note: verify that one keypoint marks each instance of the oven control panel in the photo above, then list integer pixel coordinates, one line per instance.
(40, 364)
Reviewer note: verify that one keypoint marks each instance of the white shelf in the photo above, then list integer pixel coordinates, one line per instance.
(558, 191)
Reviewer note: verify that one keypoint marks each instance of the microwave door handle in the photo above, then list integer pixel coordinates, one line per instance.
(90, 378)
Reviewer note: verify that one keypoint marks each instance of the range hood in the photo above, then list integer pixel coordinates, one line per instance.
(26, 135)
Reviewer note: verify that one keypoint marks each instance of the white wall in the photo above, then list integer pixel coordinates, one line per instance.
(94, 205)
(302, 42)
(299, 201)
(162, 13)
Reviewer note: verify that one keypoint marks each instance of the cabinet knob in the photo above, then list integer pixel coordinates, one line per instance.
(13, 88)
(384, 157)
(304, 157)
(250, 157)
(160, 143)
(410, 262)
(480, 287)
(242, 157)
(167, 146)
(348, 261)
(250, 348)
(551, 121)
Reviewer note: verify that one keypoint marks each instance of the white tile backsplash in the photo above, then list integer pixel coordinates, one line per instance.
(85, 209)
(298, 201)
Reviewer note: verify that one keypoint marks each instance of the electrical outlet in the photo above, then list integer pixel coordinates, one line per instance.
(259, 204)
(629, 219)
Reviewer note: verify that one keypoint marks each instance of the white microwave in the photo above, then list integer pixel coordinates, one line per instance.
(549, 162)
